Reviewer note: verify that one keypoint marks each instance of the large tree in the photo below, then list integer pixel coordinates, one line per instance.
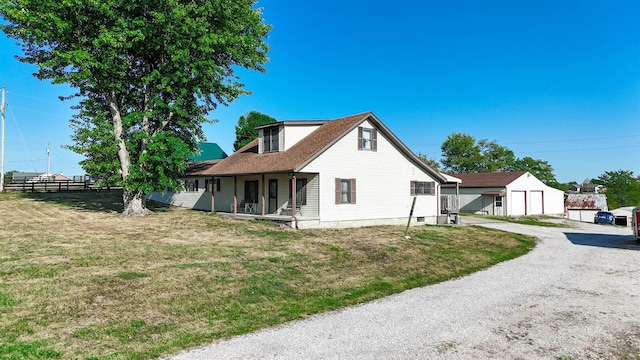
(622, 188)
(429, 161)
(540, 169)
(246, 128)
(462, 154)
(147, 72)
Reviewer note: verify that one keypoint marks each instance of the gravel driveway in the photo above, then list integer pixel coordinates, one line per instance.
(576, 295)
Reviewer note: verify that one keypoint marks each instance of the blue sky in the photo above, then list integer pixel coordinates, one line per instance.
(554, 80)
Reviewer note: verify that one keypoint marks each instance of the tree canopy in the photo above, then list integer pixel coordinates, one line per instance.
(429, 161)
(461, 153)
(147, 73)
(246, 128)
(622, 188)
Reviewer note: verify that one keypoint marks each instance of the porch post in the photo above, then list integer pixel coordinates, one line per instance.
(213, 189)
(235, 194)
(293, 196)
(262, 195)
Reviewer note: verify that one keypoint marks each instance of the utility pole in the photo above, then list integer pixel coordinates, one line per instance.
(2, 161)
(48, 161)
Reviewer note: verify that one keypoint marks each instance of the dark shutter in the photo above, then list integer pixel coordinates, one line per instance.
(360, 138)
(353, 191)
(374, 140)
(338, 197)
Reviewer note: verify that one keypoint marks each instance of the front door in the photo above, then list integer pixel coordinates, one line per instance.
(497, 206)
(273, 196)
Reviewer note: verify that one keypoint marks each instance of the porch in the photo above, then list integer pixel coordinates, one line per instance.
(265, 196)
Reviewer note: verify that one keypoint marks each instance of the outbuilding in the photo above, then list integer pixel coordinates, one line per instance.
(514, 193)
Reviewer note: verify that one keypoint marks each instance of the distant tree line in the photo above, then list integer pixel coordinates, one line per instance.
(461, 153)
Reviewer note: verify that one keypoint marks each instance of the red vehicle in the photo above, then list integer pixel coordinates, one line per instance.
(635, 223)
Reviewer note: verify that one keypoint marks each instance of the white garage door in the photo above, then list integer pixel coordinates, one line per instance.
(537, 206)
(518, 203)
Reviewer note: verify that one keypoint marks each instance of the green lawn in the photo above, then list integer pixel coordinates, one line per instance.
(77, 281)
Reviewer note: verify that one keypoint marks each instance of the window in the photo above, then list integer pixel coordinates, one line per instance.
(498, 201)
(216, 184)
(301, 191)
(423, 188)
(191, 185)
(367, 139)
(251, 191)
(345, 191)
(270, 139)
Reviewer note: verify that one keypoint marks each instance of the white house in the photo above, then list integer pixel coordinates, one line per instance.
(351, 171)
(507, 194)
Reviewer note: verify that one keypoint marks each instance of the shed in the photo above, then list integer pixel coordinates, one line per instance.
(583, 207)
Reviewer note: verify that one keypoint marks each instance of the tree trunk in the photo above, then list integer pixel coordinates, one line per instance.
(134, 204)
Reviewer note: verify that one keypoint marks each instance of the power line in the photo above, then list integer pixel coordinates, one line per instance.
(22, 137)
(583, 149)
(571, 140)
(552, 141)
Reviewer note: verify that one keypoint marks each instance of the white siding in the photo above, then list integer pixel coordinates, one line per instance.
(225, 196)
(581, 215)
(383, 180)
(199, 200)
(294, 133)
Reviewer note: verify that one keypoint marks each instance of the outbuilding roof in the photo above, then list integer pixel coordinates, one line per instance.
(208, 151)
(485, 180)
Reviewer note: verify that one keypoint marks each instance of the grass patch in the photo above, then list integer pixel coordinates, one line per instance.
(131, 275)
(106, 287)
(538, 220)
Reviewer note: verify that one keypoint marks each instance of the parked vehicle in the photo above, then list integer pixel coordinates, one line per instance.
(604, 217)
(635, 223)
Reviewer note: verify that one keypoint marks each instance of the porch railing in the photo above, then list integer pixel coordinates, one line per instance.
(449, 204)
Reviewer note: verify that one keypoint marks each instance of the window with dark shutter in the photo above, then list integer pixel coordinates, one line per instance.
(270, 139)
(374, 140)
(345, 191)
(423, 188)
(367, 139)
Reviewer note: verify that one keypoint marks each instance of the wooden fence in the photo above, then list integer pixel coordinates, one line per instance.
(80, 183)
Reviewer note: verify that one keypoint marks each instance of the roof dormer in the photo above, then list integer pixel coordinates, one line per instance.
(281, 136)
(271, 138)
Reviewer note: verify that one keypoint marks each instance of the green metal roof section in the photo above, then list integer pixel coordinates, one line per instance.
(209, 151)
